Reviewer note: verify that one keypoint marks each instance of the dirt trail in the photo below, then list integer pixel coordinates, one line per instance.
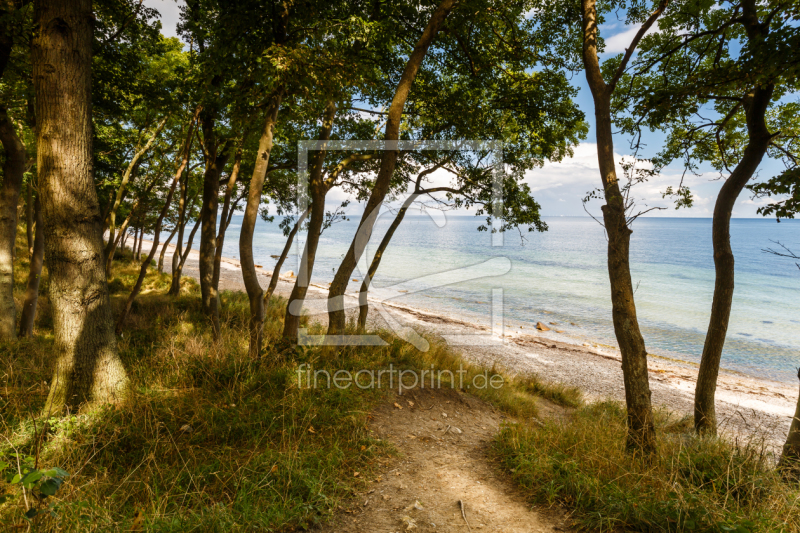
(443, 439)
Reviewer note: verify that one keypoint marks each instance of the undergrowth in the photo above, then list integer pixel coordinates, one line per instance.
(206, 439)
(692, 484)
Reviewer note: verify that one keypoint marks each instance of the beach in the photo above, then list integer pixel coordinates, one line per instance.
(748, 408)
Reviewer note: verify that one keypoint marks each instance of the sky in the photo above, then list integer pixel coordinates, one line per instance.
(560, 187)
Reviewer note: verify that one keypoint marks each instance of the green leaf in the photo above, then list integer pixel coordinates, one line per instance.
(32, 477)
(50, 487)
(15, 479)
(31, 513)
(55, 472)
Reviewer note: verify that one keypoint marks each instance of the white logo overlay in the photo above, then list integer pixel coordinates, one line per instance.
(380, 297)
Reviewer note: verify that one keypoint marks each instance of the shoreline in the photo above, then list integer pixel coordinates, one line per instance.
(747, 406)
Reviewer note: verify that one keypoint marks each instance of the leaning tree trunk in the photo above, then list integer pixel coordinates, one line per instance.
(13, 172)
(641, 431)
(249, 274)
(88, 367)
(276, 272)
(755, 104)
(789, 463)
(30, 217)
(318, 190)
(363, 303)
(184, 155)
(336, 314)
(34, 276)
(179, 256)
(224, 218)
(208, 217)
(122, 234)
(164, 249)
(126, 177)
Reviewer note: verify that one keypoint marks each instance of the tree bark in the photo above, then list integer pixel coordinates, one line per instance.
(34, 276)
(88, 368)
(179, 256)
(126, 177)
(224, 218)
(789, 463)
(363, 303)
(13, 172)
(641, 432)
(175, 288)
(249, 275)
(184, 155)
(215, 161)
(122, 234)
(276, 272)
(30, 217)
(164, 249)
(755, 104)
(336, 314)
(178, 253)
(318, 191)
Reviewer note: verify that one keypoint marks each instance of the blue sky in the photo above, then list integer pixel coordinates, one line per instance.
(559, 187)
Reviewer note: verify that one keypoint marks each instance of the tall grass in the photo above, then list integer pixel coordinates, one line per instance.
(692, 484)
(206, 439)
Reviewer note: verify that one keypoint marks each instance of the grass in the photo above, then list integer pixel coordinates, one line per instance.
(206, 439)
(693, 484)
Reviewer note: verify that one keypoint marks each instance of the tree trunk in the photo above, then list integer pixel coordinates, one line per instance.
(276, 272)
(13, 172)
(88, 368)
(318, 190)
(336, 314)
(30, 218)
(789, 463)
(179, 256)
(123, 233)
(183, 206)
(135, 242)
(208, 217)
(363, 303)
(34, 276)
(164, 249)
(225, 217)
(641, 432)
(142, 219)
(755, 104)
(126, 177)
(249, 275)
(175, 288)
(184, 155)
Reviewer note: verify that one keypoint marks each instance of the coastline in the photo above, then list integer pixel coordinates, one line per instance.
(748, 407)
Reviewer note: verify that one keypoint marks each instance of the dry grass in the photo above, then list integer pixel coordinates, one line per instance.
(693, 484)
(206, 439)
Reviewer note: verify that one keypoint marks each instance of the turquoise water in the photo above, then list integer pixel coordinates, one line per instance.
(560, 276)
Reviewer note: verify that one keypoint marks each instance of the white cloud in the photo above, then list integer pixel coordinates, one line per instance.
(616, 44)
(170, 14)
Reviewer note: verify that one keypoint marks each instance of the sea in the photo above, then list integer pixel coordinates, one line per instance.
(560, 276)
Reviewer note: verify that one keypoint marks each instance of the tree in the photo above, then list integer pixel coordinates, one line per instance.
(88, 367)
(12, 30)
(336, 315)
(641, 431)
(732, 62)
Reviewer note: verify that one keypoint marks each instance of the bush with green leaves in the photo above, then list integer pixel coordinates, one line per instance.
(21, 472)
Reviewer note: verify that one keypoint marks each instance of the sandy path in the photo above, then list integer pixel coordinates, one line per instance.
(746, 407)
(443, 438)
